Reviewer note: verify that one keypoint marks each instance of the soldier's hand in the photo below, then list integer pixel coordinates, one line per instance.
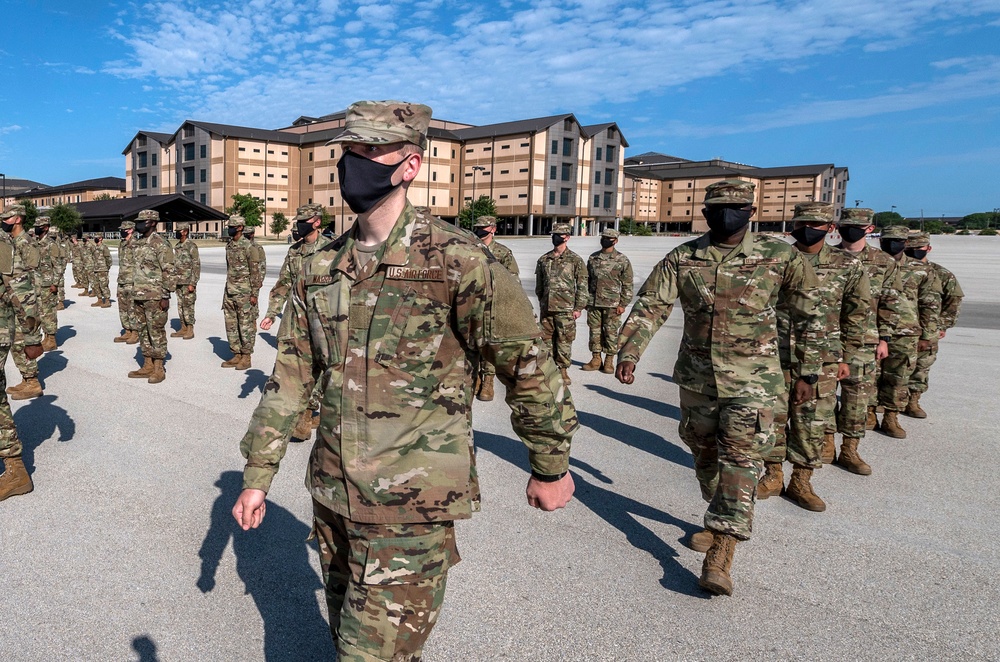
(253, 301)
(619, 310)
(164, 304)
(923, 345)
(266, 323)
(550, 496)
(249, 508)
(576, 314)
(941, 335)
(190, 288)
(882, 350)
(53, 289)
(843, 371)
(802, 392)
(33, 351)
(625, 372)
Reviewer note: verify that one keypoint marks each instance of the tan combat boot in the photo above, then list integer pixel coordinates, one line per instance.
(244, 363)
(701, 541)
(97, 304)
(145, 371)
(49, 343)
(188, 332)
(872, 421)
(913, 408)
(850, 460)
(565, 376)
(486, 389)
(314, 420)
(829, 451)
(125, 335)
(595, 363)
(61, 306)
(30, 389)
(772, 482)
(15, 479)
(609, 365)
(232, 363)
(158, 374)
(890, 426)
(718, 561)
(106, 303)
(303, 428)
(801, 492)
(179, 332)
(133, 337)
(15, 389)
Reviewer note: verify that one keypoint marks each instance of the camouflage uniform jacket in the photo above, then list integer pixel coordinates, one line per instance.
(102, 258)
(76, 251)
(845, 302)
(187, 263)
(561, 282)
(504, 256)
(65, 254)
(126, 262)
(920, 299)
(87, 255)
(49, 270)
(610, 278)
(243, 276)
(153, 268)
(951, 297)
(730, 345)
(261, 258)
(19, 264)
(290, 270)
(393, 345)
(883, 277)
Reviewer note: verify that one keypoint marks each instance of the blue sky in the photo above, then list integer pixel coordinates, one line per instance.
(904, 93)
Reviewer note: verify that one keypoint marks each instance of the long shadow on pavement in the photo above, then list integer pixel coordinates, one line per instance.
(255, 380)
(64, 333)
(37, 422)
(660, 375)
(50, 363)
(269, 338)
(220, 348)
(146, 648)
(648, 404)
(273, 562)
(619, 511)
(637, 438)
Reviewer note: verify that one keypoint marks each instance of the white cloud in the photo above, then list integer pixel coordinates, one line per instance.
(11, 128)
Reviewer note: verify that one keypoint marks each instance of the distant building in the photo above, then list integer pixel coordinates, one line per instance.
(12, 189)
(85, 191)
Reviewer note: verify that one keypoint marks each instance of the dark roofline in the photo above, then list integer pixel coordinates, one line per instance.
(179, 207)
(591, 130)
(117, 183)
(533, 125)
(250, 133)
(162, 138)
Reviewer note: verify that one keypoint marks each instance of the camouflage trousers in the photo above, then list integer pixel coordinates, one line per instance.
(559, 329)
(857, 392)
(126, 308)
(151, 323)
(893, 387)
(10, 444)
(921, 374)
(241, 323)
(604, 324)
(799, 429)
(61, 298)
(27, 367)
(88, 280)
(47, 302)
(726, 437)
(102, 288)
(385, 583)
(185, 304)
(77, 273)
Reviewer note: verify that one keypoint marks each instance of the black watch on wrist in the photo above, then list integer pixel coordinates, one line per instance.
(885, 338)
(546, 478)
(810, 379)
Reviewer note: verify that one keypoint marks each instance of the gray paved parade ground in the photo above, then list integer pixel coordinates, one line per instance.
(127, 551)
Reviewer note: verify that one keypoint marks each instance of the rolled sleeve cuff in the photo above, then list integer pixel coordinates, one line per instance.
(257, 478)
(549, 464)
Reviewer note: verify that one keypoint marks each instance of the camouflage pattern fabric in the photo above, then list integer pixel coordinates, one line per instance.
(559, 330)
(951, 303)
(187, 270)
(895, 372)
(610, 287)
(561, 287)
(385, 122)
(776, 449)
(76, 252)
(729, 354)
(152, 280)
(65, 255)
(151, 323)
(290, 270)
(88, 267)
(394, 344)
(102, 265)
(261, 258)
(25, 270)
(126, 276)
(385, 583)
(10, 443)
(243, 280)
(45, 278)
(506, 258)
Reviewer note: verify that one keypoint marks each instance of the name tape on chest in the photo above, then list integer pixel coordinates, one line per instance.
(415, 273)
(756, 261)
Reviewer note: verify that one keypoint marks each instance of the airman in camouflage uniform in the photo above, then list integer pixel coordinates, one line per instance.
(152, 284)
(64, 259)
(858, 391)
(261, 258)
(239, 303)
(308, 220)
(76, 252)
(844, 297)
(391, 318)
(729, 282)
(27, 328)
(102, 266)
(610, 286)
(187, 266)
(89, 262)
(18, 309)
(920, 307)
(126, 275)
(561, 288)
(47, 281)
(485, 228)
(917, 248)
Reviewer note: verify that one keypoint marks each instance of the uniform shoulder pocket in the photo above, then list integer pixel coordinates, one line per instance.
(6, 258)
(511, 316)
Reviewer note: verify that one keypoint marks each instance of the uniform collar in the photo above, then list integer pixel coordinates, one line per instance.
(395, 252)
(704, 243)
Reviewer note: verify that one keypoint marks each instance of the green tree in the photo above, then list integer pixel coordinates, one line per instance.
(978, 221)
(988, 232)
(279, 223)
(249, 207)
(65, 217)
(886, 218)
(103, 196)
(630, 227)
(932, 226)
(484, 205)
(30, 212)
(325, 219)
(948, 229)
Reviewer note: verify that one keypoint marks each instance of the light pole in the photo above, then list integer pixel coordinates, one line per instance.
(472, 204)
(857, 203)
(3, 200)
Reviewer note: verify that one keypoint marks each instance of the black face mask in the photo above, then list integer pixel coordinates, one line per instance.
(916, 253)
(607, 242)
(177, 235)
(558, 240)
(852, 233)
(808, 236)
(892, 246)
(295, 234)
(726, 221)
(125, 234)
(8, 227)
(232, 232)
(39, 231)
(304, 228)
(364, 182)
(140, 228)
(482, 233)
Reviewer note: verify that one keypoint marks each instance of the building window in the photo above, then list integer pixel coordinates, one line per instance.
(241, 173)
(310, 156)
(141, 142)
(331, 200)
(523, 170)
(451, 202)
(189, 152)
(256, 150)
(153, 180)
(286, 153)
(687, 212)
(597, 199)
(505, 172)
(284, 176)
(468, 151)
(310, 179)
(332, 177)
(610, 151)
(142, 181)
(689, 198)
(564, 196)
(256, 174)
(552, 197)
(452, 178)
(599, 152)
(452, 153)
(503, 196)
(204, 151)
(270, 175)
(609, 200)
(434, 200)
(567, 147)
(522, 195)
(525, 144)
(609, 175)
(487, 149)
(553, 172)
(669, 213)
(468, 174)
(555, 146)
(243, 149)
(203, 198)
(189, 132)
(597, 178)
(142, 159)
(153, 156)
(435, 151)
(434, 176)
(504, 146)
(567, 171)
(204, 175)
(270, 151)
(189, 175)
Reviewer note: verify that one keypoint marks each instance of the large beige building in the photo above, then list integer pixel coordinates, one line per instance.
(538, 171)
(84, 191)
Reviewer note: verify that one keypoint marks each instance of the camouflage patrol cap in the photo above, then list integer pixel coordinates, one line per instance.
(918, 240)
(611, 233)
(730, 192)
(126, 225)
(815, 212)
(12, 211)
(857, 216)
(306, 212)
(385, 122)
(43, 222)
(235, 221)
(896, 232)
(249, 230)
(485, 222)
(562, 228)
(148, 215)
(182, 226)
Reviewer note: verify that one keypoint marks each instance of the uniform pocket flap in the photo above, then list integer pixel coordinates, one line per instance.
(410, 560)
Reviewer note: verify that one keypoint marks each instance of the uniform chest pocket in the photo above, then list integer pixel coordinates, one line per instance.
(327, 313)
(761, 284)
(696, 282)
(409, 339)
